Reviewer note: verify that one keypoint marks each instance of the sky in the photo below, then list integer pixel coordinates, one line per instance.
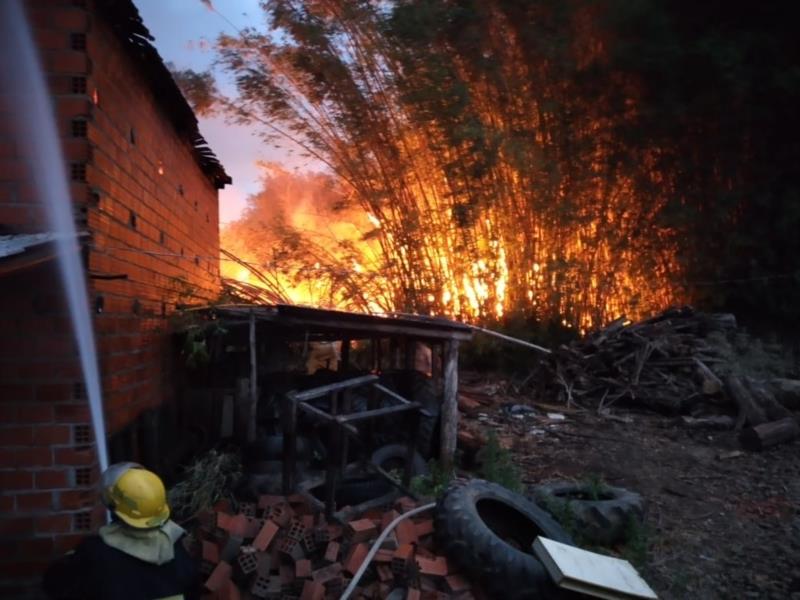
(185, 31)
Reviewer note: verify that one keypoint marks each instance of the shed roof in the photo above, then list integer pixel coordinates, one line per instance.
(341, 324)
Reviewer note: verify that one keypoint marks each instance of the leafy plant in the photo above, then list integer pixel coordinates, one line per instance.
(205, 481)
(196, 343)
(435, 482)
(637, 543)
(497, 464)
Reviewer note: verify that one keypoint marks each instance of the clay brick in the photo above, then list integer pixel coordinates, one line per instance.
(16, 436)
(219, 576)
(331, 552)
(74, 456)
(264, 564)
(209, 552)
(355, 557)
(291, 548)
(388, 517)
(265, 536)
(424, 528)
(402, 559)
(233, 524)
(281, 514)
(456, 584)
(26, 457)
(405, 504)
(383, 556)
(327, 573)
(302, 568)
(16, 526)
(313, 590)
(435, 567)
(35, 413)
(384, 572)
(54, 524)
(15, 480)
(296, 529)
(34, 502)
(406, 532)
(76, 499)
(45, 435)
(361, 530)
(248, 562)
(72, 413)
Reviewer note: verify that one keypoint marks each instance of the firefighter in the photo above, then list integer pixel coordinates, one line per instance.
(138, 556)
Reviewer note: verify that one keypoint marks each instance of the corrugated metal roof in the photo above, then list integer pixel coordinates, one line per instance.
(20, 242)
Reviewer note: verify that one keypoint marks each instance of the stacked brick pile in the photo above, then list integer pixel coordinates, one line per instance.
(281, 548)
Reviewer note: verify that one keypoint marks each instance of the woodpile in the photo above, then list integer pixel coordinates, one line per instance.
(677, 363)
(280, 547)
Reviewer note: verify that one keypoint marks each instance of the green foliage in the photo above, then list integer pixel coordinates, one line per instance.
(637, 543)
(435, 482)
(595, 485)
(497, 464)
(209, 478)
(196, 343)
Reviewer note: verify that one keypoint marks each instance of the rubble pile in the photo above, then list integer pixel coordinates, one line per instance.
(280, 547)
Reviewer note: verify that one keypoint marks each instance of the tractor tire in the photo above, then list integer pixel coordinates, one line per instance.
(604, 521)
(393, 456)
(488, 531)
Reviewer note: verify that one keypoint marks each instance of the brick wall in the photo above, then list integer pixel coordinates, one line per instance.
(153, 218)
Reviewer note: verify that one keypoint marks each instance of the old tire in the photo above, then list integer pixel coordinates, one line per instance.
(487, 531)
(604, 520)
(356, 489)
(393, 456)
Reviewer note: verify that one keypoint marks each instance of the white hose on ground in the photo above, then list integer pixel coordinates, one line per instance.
(376, 546)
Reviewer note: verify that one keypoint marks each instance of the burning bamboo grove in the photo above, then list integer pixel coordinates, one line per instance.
(491, 169)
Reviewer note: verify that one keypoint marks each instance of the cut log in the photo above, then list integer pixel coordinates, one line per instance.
(750, 412)
(709, 382)
(786, 391)
(771, 434)
(774, 410)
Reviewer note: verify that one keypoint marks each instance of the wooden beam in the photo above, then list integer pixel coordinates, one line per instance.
(449, 404)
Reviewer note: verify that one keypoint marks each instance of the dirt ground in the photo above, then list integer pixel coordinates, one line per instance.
(720, 523)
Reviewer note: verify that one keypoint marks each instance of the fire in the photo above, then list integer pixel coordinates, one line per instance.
(515, 201)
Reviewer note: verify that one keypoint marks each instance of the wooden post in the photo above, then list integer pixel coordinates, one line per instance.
(251, 425)
(344, 356)
(289, 418)
(449, 404)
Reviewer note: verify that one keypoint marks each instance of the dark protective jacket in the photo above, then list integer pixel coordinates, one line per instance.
(97, 571)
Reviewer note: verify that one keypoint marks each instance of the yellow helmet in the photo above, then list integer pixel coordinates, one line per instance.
(138, 498)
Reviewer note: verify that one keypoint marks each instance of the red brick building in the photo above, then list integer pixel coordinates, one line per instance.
(145, 189)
